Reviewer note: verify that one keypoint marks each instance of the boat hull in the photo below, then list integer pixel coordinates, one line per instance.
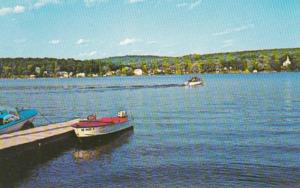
(106, 138)
(193, 83)
(86, 132)
(16, 126)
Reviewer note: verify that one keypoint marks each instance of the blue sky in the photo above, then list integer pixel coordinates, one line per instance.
(88, 29)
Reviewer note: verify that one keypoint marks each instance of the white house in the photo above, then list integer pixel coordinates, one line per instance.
(32, 76)
(63, 74)
(109, 73)
(138, 72)
(287, 62)
(80, 75)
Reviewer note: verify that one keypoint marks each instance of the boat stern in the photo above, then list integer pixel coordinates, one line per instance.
(86, 131)
(28, 113)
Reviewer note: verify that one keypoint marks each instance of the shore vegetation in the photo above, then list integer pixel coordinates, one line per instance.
(271, 60)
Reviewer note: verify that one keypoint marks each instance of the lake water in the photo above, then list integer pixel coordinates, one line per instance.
(236, 131)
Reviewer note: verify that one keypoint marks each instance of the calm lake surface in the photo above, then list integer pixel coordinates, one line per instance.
(236, 131)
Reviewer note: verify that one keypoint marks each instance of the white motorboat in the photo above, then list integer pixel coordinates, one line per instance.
(92, 127)
(195, 81)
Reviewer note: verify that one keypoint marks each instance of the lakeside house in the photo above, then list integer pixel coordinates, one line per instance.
(138, 72)
(287, 62)
(109, 73)
(45, 73)
(63, 74)
(80, 75)
(32, 76)
(159, 71)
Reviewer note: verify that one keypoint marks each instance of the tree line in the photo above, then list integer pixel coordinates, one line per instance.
(244, 61)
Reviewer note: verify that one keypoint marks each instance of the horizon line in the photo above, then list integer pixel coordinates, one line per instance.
(152, 55)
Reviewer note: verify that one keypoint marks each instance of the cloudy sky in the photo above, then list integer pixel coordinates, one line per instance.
(87, 29)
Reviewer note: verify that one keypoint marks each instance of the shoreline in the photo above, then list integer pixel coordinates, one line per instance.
(146, 75)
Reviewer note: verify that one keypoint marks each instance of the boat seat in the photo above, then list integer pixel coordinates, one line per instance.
(112, 120)
(106, 120)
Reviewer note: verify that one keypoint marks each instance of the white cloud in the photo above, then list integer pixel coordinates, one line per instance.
(42, 3)
(54, 41)
(82, 41)
(227, 43)
(12, 10)
(222, 33)
(135, 1)
(88, 54)
(127, 41)
(20, 41)
(181, 5)
(152, 42)
(234, 30)
(244, 27)
(189, 4)
(195, 4)
(18, 9)
(92, 2)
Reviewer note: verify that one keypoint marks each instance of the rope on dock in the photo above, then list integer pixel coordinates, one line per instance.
(45, 118)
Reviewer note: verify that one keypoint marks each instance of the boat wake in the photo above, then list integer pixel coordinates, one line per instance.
(103, 88)
(136, 86)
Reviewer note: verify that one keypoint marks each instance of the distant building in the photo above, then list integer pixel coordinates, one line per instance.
(32, 76)
(287, 62)
(45, 73)
(109, 73)
(63, 74)
(80, 75)
(138, 72)
(159, 71)
(150, 72)
(37, 70)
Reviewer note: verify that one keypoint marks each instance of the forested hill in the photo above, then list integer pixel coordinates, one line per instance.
(244, 61)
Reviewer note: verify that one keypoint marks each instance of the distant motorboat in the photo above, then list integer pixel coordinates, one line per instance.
(12, 120)
(195, 81)
(93, 127)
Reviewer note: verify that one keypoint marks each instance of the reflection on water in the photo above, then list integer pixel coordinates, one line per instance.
(94, 150)
(15, 169)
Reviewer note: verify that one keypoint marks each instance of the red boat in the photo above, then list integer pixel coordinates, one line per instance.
(99, 127)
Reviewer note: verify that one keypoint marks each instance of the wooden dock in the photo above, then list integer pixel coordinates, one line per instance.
(36, 137)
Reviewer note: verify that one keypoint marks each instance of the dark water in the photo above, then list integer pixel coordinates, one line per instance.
(236, 131)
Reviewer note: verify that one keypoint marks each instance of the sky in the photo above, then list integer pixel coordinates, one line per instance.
(90, 29)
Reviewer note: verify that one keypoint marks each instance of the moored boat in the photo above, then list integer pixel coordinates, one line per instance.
(195, 81)
(12, 120)
(92, 127)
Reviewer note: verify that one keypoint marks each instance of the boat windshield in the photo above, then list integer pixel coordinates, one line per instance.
(8, 110)
(8, 118)
(8, 115)
(195, 79)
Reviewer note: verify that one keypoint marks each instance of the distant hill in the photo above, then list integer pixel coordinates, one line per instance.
(148, 58)
(132, 58)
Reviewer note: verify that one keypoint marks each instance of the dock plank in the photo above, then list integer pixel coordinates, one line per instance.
(35, 134)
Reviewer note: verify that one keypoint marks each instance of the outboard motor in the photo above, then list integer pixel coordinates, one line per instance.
(122, 114)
